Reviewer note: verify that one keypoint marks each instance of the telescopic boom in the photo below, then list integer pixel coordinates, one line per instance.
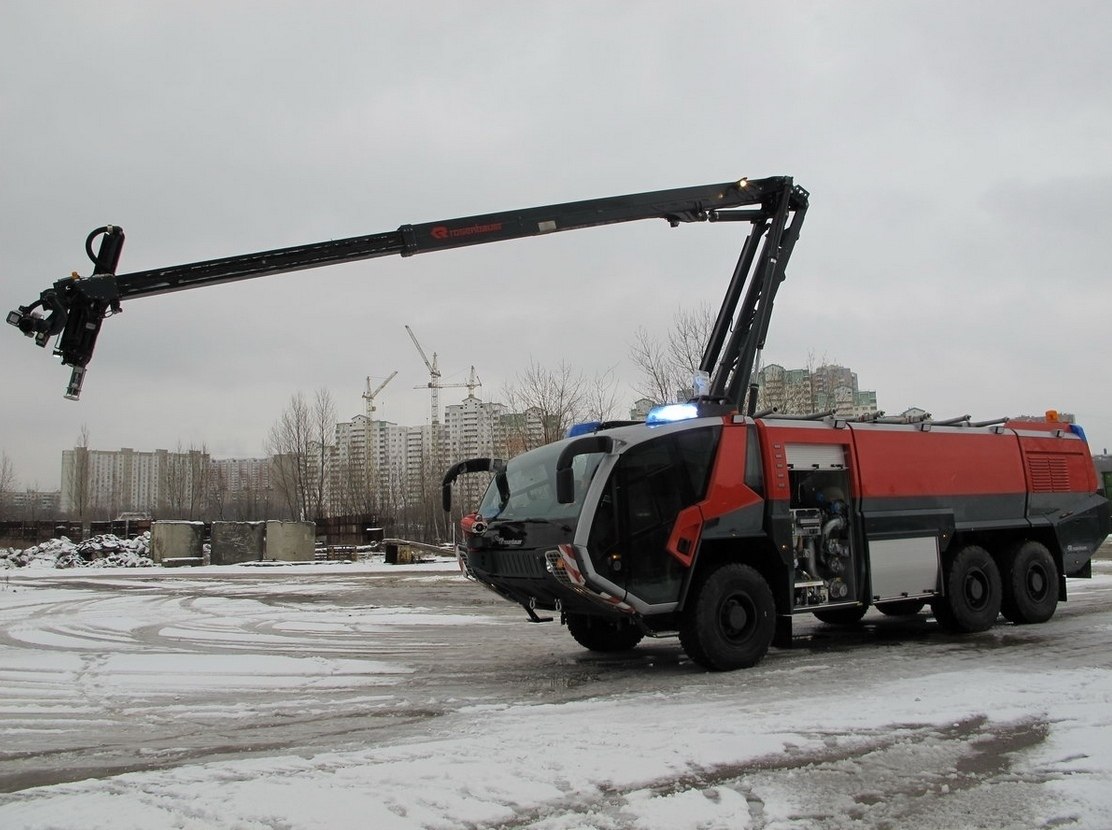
(74, 308)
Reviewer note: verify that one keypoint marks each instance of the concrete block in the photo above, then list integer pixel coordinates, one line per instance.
(176, 540)
(235, 542)
(291, 541)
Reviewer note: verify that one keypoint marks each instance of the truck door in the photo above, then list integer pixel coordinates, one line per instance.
(647, 488)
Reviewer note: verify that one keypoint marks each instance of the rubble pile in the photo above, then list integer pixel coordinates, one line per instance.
(105, 551)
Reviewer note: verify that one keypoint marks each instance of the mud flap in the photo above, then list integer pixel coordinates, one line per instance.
(782, 636)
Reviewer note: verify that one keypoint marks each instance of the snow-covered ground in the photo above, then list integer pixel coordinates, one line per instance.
(373, 696)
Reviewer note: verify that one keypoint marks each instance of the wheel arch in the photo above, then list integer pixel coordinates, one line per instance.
(757, 551)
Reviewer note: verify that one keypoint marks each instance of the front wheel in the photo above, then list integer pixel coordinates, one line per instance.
(972, 592)
(1030, 580)
(730, 619)
(600, 634)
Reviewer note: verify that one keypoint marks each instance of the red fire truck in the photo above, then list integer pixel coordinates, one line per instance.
(723, 527)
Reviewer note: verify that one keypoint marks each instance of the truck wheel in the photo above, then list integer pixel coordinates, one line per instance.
(1030, 582)
(972, 596)
(730, 619)
(841, 616)
(600, 634)
(901, 607)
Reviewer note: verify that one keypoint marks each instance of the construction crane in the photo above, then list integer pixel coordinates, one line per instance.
(369, 396)
(434, 376)
(472, 383)
(434, 384)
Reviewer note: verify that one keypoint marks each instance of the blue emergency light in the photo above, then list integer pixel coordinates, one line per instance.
(669, 413)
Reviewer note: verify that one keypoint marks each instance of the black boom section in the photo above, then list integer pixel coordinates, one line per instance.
(73, 308)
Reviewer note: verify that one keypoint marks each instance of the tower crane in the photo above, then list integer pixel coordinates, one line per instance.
(471, 383)
(369, 395)
(434, 383)
(434, 376)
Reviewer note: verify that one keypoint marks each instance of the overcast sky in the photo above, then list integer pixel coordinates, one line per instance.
(958, 155)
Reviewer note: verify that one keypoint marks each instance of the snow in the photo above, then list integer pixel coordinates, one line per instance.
(487, 775)
(705, 756)
(105, 551)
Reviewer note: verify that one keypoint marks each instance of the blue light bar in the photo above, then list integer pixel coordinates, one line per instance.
(1079, 432)
(585, 428)
(671, 412)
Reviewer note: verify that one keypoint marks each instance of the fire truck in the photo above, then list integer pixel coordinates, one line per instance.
(710, 520)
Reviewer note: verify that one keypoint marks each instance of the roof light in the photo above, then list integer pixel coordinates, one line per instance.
(585, 428)
(672, 412)
(1079, 432)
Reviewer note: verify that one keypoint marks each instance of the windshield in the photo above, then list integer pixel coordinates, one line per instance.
(530, 480)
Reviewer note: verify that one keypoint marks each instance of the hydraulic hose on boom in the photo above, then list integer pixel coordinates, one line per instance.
(74, 308)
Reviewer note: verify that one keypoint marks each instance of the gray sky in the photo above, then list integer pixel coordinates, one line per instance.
(957, 155)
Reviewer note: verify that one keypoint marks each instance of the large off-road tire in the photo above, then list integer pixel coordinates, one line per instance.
(1030, 582)
(901, 607)
(971, 592)
(730, 618)
(841, 616)
(601, 634)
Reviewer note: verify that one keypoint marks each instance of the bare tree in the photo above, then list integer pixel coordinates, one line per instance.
(687, 340)
(217, 495)
(648, 355)
(298, 444)
(288, 445)
(79, 477)
(600, 396)
(324, 426)
(183, 482)
(668, 363)
(545, 402)
(7, 484)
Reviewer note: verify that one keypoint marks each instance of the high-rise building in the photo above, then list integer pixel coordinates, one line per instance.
(105, 483)
(803, 391)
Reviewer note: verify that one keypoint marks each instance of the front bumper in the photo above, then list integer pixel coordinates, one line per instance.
(552, 579)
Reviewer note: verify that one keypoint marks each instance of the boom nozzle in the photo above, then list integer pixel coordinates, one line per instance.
(74, 308)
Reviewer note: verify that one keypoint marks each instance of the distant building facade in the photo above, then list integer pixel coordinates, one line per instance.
(30, 505)
(803, 391)
(102, 484)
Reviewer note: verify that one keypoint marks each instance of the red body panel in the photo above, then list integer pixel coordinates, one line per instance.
(942, 462)
(726, 491)
(1057, 465)
(894, 461)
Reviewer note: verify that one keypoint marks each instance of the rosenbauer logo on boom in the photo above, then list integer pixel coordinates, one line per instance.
(443, 232)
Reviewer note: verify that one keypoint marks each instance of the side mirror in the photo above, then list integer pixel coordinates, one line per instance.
(565, 478)
(471, 465)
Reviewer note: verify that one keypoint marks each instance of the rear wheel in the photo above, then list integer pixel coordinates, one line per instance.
(730, 619)
(601, 634)
(901, 607)
(1030, 583)
(972, 592)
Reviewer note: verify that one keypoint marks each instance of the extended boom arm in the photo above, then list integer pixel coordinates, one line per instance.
(74, 307)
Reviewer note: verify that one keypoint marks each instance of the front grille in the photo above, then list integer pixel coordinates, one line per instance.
(512, 563)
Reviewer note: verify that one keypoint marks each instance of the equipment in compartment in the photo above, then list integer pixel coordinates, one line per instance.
(820, 537)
